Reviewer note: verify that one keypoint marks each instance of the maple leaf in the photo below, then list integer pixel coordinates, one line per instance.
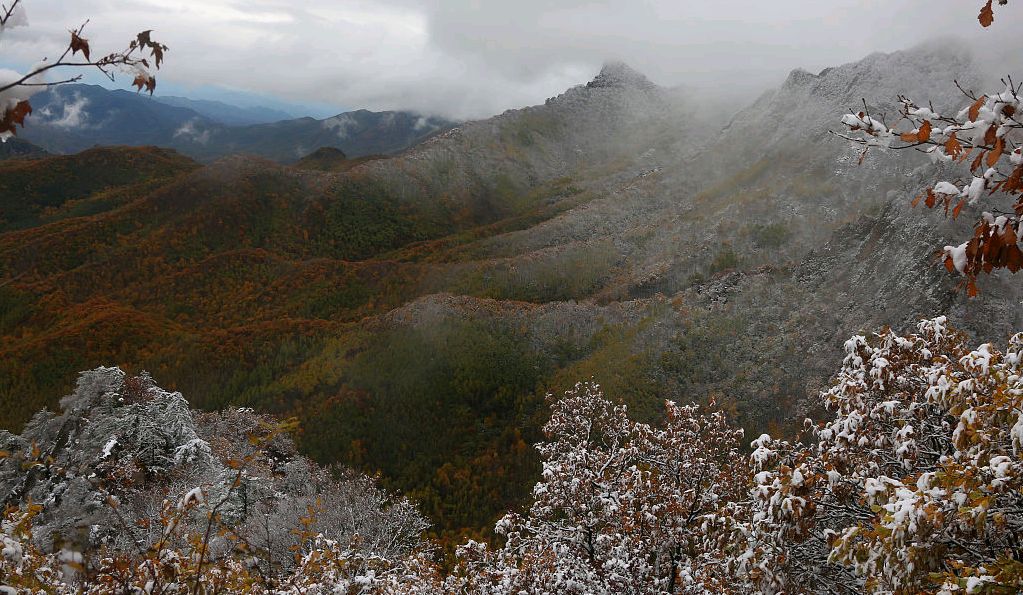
(987, 15)
(79, 44)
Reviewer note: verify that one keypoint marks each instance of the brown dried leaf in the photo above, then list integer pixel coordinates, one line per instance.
(1014, 258)
(958, 207)
(995, 154)
(975, 108)
(924, 134)
(987, 15)
(1014, 182)
(976, 162)
(15, 116)
(952, 146)
(991, 135)
(79, 44)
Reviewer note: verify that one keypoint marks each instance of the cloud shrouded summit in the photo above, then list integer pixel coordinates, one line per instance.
(473, 58)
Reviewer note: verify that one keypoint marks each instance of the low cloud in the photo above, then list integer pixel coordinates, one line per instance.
(474, 58)
(72, 113)
(190, 131)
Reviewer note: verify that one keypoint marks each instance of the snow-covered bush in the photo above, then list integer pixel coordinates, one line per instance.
(620, 507)
(914, 486)
(128, 490)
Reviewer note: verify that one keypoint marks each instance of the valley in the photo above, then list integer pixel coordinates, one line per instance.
(412, 311)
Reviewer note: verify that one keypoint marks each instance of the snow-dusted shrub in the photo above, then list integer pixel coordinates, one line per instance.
(620, 507)
(914, 486)
(128, 490)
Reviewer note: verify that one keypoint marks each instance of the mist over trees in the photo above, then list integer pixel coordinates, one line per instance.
(909, 481)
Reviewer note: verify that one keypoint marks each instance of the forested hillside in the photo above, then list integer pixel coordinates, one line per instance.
(76, 117)
(413, 311)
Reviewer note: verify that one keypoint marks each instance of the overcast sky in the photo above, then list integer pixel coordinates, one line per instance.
(474, 58)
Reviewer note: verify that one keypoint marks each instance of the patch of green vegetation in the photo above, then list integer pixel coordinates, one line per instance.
(625, 371)
(15, 306)
(441, 412)
(575, 273)
(771, 235)
(726, 259)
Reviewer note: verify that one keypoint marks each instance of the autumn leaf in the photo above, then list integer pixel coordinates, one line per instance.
(975, 108)
(21, 109)
(1014, 258)
(144, 82)
(1015, 180)
(952, 146)
(958, 207)
(987, 15)
(995, 154)
(976, 162)
(79, 44)
(15, 116)
(991, 135)
(924, 134)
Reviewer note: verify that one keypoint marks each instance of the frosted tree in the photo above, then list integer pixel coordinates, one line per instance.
(621, 505)
(913, 486)
(128, 490)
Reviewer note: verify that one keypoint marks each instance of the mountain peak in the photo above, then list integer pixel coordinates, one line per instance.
(620, 75)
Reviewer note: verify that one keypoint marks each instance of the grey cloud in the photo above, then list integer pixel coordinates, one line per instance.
(473, 58)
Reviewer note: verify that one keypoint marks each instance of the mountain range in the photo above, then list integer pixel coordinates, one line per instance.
(413, 311)
(72, 118)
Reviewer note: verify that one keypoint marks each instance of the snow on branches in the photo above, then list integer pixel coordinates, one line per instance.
(127, 490)
(987, 134)
(913, 486)
(621, 505)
